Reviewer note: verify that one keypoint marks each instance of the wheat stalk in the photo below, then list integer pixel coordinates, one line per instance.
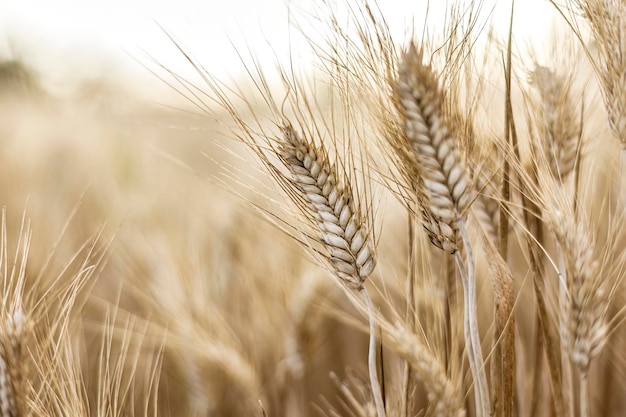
(560, 131)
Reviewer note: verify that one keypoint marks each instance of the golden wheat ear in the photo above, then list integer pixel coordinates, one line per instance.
(444, 190)
(11, 365)
(558, 121)
(445, 399)
(443, 180)
(586, 295)
(607, 19)
(330, 203)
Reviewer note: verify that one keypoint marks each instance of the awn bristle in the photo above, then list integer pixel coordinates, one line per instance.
(585, 331)
(443, 180)
(559, 124)
(344, 229)
(10, 363)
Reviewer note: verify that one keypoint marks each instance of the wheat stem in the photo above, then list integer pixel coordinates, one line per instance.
(472, 336)
(371, 360)
(583, 395)
(567, 381)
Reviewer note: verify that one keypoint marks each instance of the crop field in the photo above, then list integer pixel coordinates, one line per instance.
(420, 225)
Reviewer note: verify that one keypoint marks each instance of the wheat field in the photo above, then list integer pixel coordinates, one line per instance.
(427, 225)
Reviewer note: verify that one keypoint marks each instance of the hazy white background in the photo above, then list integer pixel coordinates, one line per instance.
(65, 40)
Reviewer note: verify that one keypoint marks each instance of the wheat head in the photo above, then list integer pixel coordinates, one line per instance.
(11, 366)
(443, 180)
(330, 202)
(558, 121)
(587, 293)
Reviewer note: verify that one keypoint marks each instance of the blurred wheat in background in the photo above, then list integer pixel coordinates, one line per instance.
(427, 222)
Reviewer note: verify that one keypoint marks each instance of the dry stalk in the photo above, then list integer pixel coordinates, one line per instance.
(443, 189)
(407, 380)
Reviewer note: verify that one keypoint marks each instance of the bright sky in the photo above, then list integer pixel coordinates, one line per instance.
(62, 38)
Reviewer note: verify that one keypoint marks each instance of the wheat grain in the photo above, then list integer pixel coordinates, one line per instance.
(586, 295)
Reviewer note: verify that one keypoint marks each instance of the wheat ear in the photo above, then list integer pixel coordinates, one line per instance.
(558, 122)
(11, 368)
(560, 130)
(445, 399)
(587, 298)
(344, 229)
(443, 185)
(608, 23)
(486, 208)
(443, 190)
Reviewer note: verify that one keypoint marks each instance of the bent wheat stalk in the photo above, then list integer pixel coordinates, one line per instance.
(558, 122)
